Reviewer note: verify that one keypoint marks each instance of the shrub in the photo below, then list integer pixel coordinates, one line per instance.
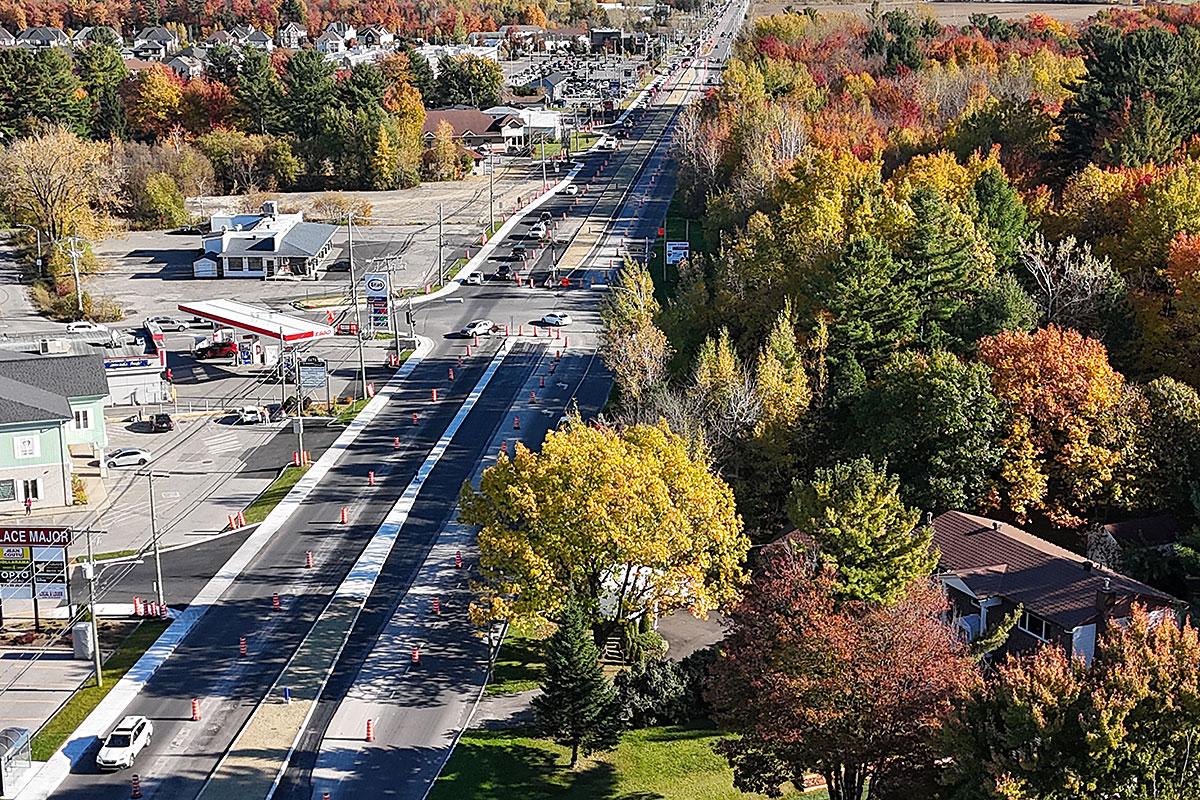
(654, 692)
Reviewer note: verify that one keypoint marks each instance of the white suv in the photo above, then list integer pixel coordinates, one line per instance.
(122, 746)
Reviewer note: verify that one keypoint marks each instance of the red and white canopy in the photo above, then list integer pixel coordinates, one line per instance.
(254, 319)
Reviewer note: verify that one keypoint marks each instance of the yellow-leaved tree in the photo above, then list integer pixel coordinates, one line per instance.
(624, 521)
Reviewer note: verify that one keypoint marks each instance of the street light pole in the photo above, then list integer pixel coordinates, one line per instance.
(91, 582)
(441, 265)
(362, 363)
(158, 579)
(491, 194)
(299, 408)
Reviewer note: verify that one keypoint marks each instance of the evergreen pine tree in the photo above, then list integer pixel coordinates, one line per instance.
(942, 262)
(257, 93)
(578, 705)
(1000, 216)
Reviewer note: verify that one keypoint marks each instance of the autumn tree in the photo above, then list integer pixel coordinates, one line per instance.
(633, 348)
(1050, 726)
(577, 706)
(855, 692)
(57, 183)
(1059, 395)
(153, 102)
(935, 421)
(627, 521)
(442, 160)
(873, 543)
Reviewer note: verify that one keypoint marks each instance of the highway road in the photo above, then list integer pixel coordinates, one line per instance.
(206, 664)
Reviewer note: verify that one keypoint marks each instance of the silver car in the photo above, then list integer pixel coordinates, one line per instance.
(477, 327)
(128, 457)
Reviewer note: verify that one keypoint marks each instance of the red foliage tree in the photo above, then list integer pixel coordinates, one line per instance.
(855, 692)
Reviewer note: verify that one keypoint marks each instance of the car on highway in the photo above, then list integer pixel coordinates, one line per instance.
(161, 423)
(608, 143)
(502, 272)
(545, 216)
(557, 318)
(216, 350)
(85, 326)
(130, 737)
(538, 230)
(168, 323)
(475, 279)
(572, 189)
(476, 327)
(128, 457)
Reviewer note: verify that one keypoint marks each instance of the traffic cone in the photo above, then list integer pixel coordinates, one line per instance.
(275, 604)
(516, 423)
(371, 477)
(137, 606)
(437, 607)
(541, 381)
(135, 788)
(458, 559)
(395, 442)
(242, 646)
(345, 515)
(414, 419)
(532, 396)
(308, 559)
(468, 351)
(450, 373)
(504, 447)
(416, 655)
(433, 394)
(370, 731)
(195, 710)
(162, 610)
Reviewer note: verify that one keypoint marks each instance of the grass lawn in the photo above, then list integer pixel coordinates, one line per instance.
(671, 763)
(678, 225)
(262, 505)
(579, 142)
(519, 665)
(63, 724)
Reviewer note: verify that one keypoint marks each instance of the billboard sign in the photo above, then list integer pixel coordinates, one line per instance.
(676, 252)
(312, 376)
(37, 536)
(45, 567)
(377, 287)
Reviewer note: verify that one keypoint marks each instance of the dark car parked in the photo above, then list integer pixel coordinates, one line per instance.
(161, 423)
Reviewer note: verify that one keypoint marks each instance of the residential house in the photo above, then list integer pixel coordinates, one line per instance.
(49, 409)
(1108, 544)
(265, 244)
(343, 30)
(472, 128)
(291, 36)
(990, 568)
(220, 37)
(241, 33)
(7, 39)
(330, 44)
(42, 38)
(259, 41)
(605, 40)
(186, 67)
(434, 53)
(155, 43)
(87, 35)
(376, 36)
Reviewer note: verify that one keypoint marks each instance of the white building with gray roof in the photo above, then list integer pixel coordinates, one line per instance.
(264, 245)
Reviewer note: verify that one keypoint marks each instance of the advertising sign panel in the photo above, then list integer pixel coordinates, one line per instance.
(676, 252)
(377, 287)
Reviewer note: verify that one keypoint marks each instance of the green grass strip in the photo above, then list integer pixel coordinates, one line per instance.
(257, 511)
(84, 701)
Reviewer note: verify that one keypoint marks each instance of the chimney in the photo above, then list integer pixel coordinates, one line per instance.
(1106, 600)
(928, 517)
(995, 525)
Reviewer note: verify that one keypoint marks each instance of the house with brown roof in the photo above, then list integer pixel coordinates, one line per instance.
(989, 568)
(472, 127)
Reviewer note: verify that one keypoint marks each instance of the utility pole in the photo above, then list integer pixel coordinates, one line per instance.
(158, 579)
(441, 265)
(362, 363)
(299, 407)
(491, 194)
(74, 253)
(90, 570)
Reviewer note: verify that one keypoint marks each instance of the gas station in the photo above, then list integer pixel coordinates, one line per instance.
(255, 324)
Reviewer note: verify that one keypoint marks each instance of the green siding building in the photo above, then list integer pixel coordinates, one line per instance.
(50, 409)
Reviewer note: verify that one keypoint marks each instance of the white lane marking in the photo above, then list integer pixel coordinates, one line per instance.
(106, 713)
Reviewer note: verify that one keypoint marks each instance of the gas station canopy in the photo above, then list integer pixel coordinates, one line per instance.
(253, 319)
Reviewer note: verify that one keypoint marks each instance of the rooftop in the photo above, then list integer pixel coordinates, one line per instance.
(34, 388)
(995, 559)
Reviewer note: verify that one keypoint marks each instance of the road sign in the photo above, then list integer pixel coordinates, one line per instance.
(676, 252)
(377, 288)
(312, 376)
(47, 566)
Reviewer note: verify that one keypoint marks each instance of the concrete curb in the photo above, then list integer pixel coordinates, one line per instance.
(56, 769)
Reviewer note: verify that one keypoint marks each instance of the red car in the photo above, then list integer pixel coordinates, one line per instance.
(216, 350)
